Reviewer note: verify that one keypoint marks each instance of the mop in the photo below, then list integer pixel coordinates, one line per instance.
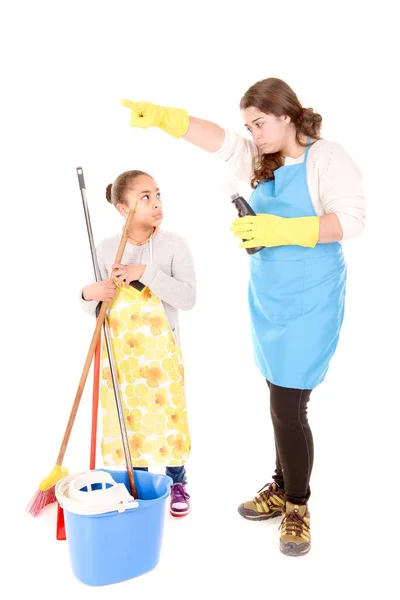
(108, 340)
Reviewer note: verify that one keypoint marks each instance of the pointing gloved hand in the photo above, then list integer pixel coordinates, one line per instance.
(270, 230)
(174, 121)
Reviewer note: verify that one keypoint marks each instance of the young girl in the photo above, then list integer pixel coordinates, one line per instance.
(155, 279)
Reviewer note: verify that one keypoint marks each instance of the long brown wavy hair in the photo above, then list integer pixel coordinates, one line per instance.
(274, 96)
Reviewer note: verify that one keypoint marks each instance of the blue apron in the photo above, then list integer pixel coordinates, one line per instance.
(296, 294)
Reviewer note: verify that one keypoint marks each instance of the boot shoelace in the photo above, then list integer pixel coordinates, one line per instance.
(294, 523)
(266, 492)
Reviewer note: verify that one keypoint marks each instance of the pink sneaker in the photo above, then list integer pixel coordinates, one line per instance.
(180, 500)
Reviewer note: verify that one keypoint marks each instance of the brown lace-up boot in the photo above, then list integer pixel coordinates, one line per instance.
(295, 530)
(268, 503)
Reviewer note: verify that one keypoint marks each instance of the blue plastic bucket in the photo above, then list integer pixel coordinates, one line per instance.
(116, 546)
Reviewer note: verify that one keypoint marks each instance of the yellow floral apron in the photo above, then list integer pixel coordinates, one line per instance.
(150, 373)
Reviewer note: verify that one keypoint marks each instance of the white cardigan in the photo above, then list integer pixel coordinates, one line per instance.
(334, 181)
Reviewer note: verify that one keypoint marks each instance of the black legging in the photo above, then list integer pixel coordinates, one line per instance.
(293, 442)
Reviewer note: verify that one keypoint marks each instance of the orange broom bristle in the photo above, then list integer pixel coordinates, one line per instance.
(40, 500)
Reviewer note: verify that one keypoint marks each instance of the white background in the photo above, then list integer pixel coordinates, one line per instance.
(65, 67)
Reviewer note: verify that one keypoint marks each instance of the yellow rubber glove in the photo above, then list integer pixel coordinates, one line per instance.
(174, 121)
(270, 230)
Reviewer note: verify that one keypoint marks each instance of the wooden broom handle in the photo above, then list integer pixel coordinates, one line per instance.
(92, 348)
(95, 406)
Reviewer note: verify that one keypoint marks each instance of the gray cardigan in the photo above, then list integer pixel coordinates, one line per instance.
(171, 275)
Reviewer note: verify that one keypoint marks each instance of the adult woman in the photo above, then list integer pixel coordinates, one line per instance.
(308, 198)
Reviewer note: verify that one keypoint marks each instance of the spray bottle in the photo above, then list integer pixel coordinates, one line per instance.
(243, 209)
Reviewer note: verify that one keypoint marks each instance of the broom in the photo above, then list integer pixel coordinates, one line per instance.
(46, 492)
